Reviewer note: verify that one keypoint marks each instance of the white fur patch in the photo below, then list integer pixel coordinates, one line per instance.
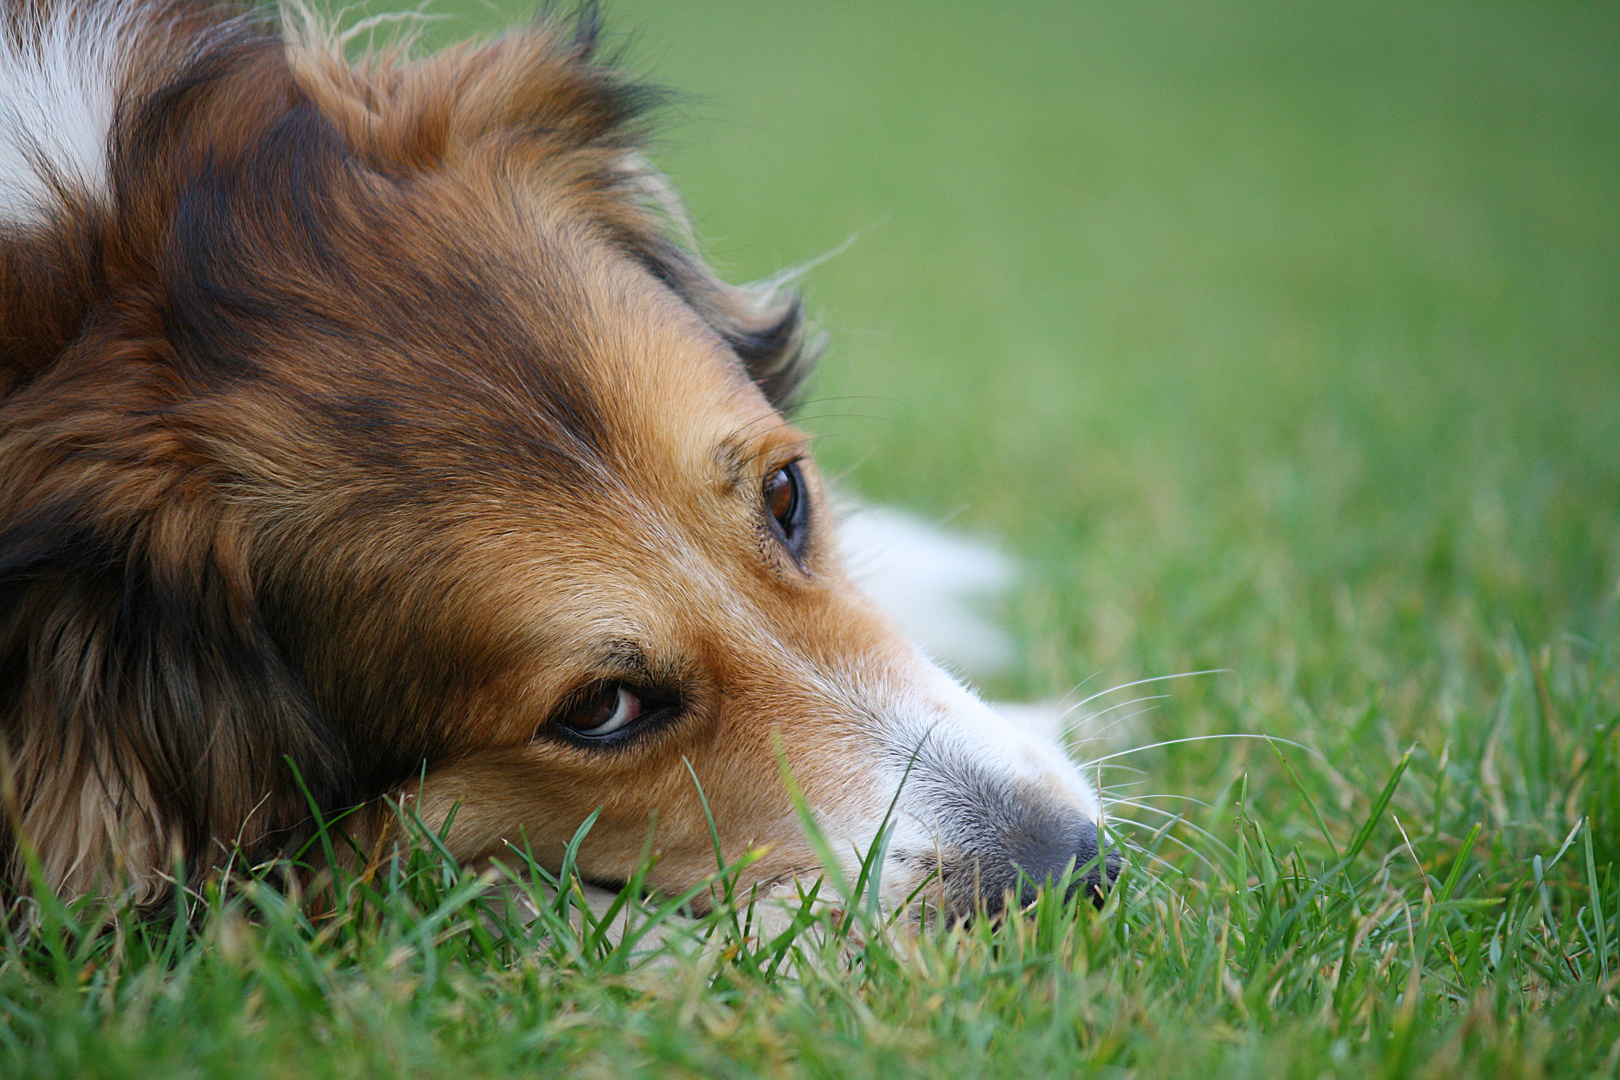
(960, 778)
(60, 78)
(938, 585)
(931, 582)
(973, 771)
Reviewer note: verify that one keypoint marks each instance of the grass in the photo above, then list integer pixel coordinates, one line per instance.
(1274, 338)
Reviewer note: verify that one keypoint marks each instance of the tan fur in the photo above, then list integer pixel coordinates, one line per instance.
(460, 615)
(365, 415)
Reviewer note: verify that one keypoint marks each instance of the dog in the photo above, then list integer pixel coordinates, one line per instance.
(372, 435)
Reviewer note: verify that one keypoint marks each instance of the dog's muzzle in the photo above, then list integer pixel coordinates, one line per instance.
(995, 811)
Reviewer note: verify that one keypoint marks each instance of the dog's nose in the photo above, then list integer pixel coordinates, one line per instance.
(1069, 842)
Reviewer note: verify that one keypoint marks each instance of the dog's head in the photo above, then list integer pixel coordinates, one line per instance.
(370, 432)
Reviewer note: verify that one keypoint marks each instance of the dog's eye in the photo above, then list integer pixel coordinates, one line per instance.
(611, 714)
(610, 709)
(785, 501)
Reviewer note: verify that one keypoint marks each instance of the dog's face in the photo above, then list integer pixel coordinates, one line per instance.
(613, 609)
(485, 487)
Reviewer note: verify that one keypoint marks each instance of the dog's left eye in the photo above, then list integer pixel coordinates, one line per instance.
(608, 711)
(788, 507)
(611, 713)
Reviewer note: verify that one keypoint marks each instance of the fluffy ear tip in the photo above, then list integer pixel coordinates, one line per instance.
(587, 26)
(782, 354)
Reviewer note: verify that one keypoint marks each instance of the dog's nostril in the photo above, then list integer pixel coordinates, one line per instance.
(1073, 844)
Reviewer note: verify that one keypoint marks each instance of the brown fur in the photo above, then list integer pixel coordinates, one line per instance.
(371, 415)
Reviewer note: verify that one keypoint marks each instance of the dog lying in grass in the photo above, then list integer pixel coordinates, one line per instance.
(370, 436)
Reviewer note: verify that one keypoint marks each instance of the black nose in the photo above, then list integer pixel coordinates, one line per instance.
(1068, 843)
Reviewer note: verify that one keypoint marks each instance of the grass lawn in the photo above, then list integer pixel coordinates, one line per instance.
(1276, 338)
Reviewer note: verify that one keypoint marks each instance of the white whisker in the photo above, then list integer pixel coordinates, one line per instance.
(1068, 728)
(1173, 819)
(1129, 716)
(1166, 795)
(1076, 689)
(1143, 682)
(1201, 738)
(1164, 833)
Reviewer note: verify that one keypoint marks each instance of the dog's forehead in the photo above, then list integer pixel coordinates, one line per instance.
(673, 401)
(520, 348)
(677, 397)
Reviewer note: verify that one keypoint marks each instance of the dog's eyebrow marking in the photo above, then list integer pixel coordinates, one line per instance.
(739, 464)
(628, 654)
(733, 462)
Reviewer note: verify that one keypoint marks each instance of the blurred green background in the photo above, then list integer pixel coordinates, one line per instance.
(1275, 337)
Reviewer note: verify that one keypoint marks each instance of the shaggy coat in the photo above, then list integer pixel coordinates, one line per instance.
(370, 432)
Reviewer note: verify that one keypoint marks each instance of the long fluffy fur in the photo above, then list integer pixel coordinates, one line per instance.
(150, 155)
(371, 428)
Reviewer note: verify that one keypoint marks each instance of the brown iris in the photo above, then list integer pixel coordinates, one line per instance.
(611, 713)
(780, 496)
(785, 501)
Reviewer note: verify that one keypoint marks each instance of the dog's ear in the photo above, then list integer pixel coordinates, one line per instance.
(147, 715)
(763, 323)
